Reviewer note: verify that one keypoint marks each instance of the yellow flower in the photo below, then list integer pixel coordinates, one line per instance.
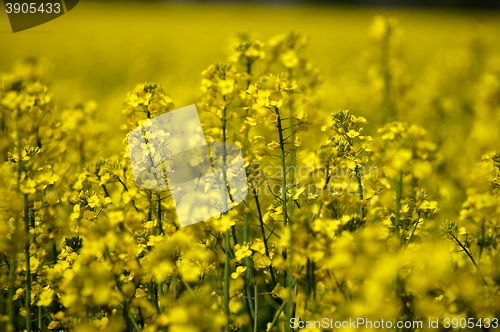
(100, 323)
(190, 272)
(53, 325)
(261, 261)
(273, 145)
(93, 201)
(290, 59)
(251, 121)
(352, 133)
(259, 246)
(28, 186)
(242, 251)
(297, 142)
(239, 271)
(226, 86)
(45, 298)
(298, 193)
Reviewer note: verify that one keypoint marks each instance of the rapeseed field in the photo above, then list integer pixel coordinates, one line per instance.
(371, 145)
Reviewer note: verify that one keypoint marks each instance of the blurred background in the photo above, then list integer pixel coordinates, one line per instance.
(399, 3)
(100, 50)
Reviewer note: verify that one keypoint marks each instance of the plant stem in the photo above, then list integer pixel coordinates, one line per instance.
(12, 277)
(399, 195)
(247, 290)
(226, 233)
(13, 261)
(293, 151)
(283, 166)
(159, 210)
(264, 237)
(276, 316)
(286, 222)
(40, 318)
(360, 194)
(256, 305)
(414, 229)
(150, 209)
(28, 270)
(226, 280)
(459, 243)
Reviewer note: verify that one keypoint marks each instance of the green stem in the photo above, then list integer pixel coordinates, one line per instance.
(159, 291)
(256, 305)
(246, 262)
(360, 194)
(226, 233)
(28, 270)
(131, 318)
(469, 254)
(160, 226)
(459, 243)
(264, 237)
(293, 151)
(12, 278)
(247, 290)
(414, 229)
(40, 318)
(283, 165)
(276, 317)
(226, 280)
(150, 209)
(286, 222)
(13, 261)
(399, 195)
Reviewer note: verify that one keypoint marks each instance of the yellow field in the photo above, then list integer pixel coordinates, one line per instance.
(382, 125)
